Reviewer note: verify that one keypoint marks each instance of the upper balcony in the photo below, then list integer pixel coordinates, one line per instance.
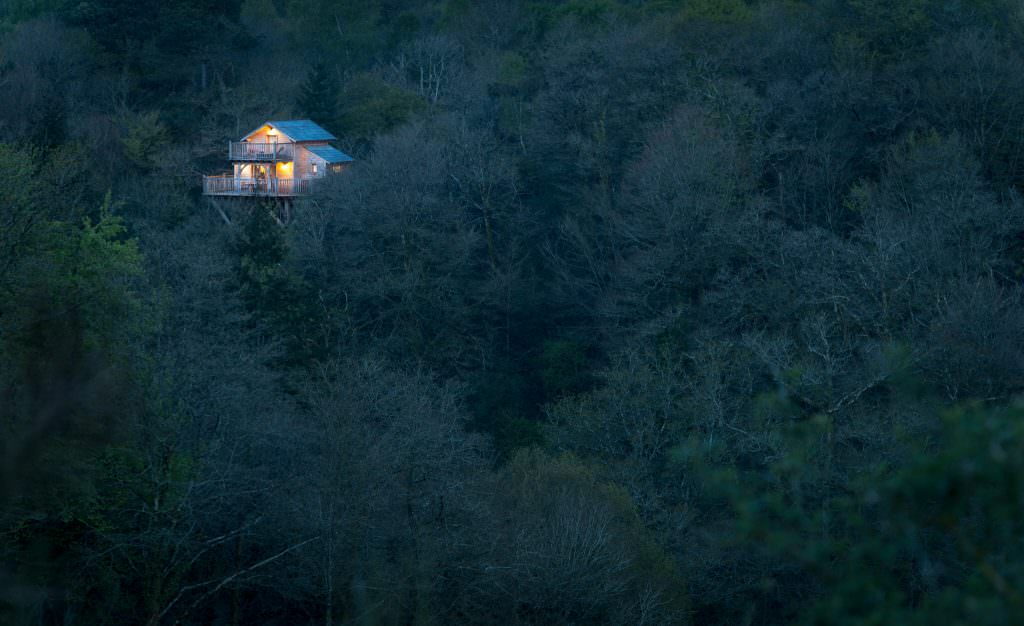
(260, 152)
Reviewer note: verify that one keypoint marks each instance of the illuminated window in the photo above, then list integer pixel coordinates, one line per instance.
(316, 168)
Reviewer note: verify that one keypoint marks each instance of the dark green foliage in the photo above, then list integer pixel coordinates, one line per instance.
(318, 95)
(163, 44)
(563, 367)
(931, 541)
(69, 323)
(261, 253)
(272, 291)
(370, 107)
(628, 312)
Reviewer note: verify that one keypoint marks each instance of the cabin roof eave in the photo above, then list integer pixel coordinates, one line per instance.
(264, 125)
(317, 132)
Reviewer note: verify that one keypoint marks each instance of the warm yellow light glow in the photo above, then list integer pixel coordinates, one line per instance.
(284, 170)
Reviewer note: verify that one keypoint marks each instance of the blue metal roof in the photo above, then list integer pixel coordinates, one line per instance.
(302, 130)
(328, 153)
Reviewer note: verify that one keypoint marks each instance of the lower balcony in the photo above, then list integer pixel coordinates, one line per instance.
(266, 187)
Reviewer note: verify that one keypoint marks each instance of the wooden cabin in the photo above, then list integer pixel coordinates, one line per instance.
(278, 160)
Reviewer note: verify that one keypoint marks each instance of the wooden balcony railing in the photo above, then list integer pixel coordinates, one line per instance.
(274, 187)
(251, 151)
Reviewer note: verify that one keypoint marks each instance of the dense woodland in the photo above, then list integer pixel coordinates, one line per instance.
(697, 312)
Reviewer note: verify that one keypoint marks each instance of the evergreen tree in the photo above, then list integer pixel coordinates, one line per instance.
(279, 298)
(318, 96)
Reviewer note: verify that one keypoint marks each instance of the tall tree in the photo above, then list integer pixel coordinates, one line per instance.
(318, 95)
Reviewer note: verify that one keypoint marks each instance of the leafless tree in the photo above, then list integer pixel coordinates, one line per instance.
(430, 65)
(390, 489)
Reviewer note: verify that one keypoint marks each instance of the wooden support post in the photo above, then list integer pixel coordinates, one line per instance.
(224, 216)
(273, 214)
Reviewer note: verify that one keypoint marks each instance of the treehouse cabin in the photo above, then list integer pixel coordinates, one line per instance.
(278, 160)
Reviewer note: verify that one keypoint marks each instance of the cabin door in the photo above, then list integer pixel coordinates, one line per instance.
(260, 174)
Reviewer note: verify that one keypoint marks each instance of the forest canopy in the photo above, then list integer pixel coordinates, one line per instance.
(627, 312)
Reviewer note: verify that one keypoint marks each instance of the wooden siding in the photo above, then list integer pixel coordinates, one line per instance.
(303, 162)
(321, 166)
(263, 136)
